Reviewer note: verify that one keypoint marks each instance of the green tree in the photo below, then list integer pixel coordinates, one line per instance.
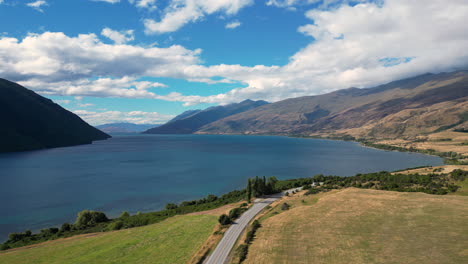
(87, 218)
(124, 214)
(224, 220)
(171, 206)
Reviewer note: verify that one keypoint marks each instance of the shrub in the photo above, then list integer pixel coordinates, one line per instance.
(236, 212)
(89, 218)
(117, 225)
(285, 206)
(124, 214)
(242, 251)
(224, 220)
(171, 206)
(65, 227)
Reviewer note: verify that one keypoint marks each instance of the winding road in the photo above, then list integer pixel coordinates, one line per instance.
(221, 252)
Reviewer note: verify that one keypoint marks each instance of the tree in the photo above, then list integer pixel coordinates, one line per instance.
(87, 218)
(65, 227)
(171, 206)
(224, 220)
(124, 214)
(249, 190)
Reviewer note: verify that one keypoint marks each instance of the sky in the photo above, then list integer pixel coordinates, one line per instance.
(145, 61)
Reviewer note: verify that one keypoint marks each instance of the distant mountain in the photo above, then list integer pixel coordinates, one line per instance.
(30, 121)
(125, 127)
(405, 108)
(185, 114)
(190, 122)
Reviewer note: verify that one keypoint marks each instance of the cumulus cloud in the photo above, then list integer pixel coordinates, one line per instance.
(233, 24)
(147, 4)
(181, 12)
(37, 5)
(136, 117)
(108, 1)
(351, 45)
(119, 37)
(54, 57)
(126, 87)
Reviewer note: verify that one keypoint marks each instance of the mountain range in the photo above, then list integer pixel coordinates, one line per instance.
(406, 108)
(191, 121)
(30, 121)
(125, 127)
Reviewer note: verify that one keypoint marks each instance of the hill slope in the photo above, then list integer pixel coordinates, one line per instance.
(364, 226)
(409, 107)
(174, 240)
(191, 121)
(30, 121)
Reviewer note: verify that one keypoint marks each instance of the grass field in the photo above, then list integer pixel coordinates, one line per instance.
(174, 240)
(364, 226)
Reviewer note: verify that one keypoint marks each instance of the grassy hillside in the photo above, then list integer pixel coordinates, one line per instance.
(174, 240)
(364, 226)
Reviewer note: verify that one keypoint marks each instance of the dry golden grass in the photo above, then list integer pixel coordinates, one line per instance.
(436, 142)
(436, 169)
(365, 226)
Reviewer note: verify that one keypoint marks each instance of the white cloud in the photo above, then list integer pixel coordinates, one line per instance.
(119, 37)
(147, 4)
(37, 5)
(54, 57)
(361, 46)
(233, 24)
(63, 101)
(84, 105)
(352, 47)
(136, 117)
(126, 87)
(181, 12)
(108, 1)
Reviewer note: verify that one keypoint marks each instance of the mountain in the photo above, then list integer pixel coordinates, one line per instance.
(406, 108)
(193, 121)
(185, 114)
(30, 121)
(124, 127)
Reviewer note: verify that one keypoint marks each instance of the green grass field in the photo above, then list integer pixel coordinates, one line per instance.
(463, 191)
(172, 241)
(364, 226)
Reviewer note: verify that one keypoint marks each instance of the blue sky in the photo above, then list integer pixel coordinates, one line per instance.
(145, 61)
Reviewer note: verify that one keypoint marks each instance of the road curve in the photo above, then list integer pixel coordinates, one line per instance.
(221, 252)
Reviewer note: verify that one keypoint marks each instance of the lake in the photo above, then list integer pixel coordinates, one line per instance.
(144, 172)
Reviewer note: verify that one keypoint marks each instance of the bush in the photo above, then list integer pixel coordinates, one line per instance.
(236, 212)
(242, 251)
(89, 218)
(65, 227)
(4, 247)
(285, 206)
(311, 191)
(224, 220)
(124, 214)
(117, 225)
(171, 206)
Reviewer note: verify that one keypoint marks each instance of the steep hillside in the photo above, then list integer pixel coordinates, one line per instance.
(190, 122)
(30, 121)
(405, 108)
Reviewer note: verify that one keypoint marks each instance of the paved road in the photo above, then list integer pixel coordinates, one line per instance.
(221, 252)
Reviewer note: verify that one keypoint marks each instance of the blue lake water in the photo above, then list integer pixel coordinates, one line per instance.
(144, 172)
